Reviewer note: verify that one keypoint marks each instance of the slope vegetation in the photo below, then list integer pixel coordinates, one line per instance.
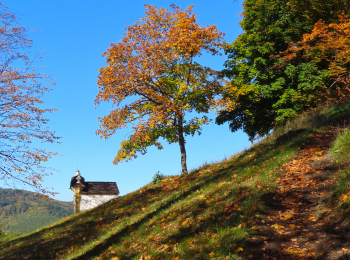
(24, 211)
(286, 197)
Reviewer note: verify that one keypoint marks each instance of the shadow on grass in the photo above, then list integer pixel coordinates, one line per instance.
(115, 238)
(182, 234)
(86, 224)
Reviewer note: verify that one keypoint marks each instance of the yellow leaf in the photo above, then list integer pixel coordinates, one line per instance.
(275, 226)
(201, 196)
(311, 218)
(184, 223)
(291, 252)
(239, 249)
(254, 228)
(292, 225)
(115, 258)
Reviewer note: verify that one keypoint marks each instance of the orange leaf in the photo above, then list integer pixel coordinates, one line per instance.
(184, 223)
(288, 216)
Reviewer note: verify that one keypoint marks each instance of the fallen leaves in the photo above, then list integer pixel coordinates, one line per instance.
(163, 248)
(147, 257)
(294, 222)
(297, 224)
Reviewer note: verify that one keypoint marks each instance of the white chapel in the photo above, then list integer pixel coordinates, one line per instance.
(88, 195)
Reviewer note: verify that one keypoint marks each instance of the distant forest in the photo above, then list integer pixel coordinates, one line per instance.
(24, 211)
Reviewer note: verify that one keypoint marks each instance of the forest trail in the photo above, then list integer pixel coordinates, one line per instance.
(295, 225)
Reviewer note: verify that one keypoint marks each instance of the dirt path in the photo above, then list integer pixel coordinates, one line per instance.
(294, 226)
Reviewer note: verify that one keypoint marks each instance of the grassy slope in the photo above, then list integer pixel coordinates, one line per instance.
(205, 215)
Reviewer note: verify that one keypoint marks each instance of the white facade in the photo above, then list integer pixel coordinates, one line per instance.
(91, 201)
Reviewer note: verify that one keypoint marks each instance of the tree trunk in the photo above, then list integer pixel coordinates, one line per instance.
(182, 145)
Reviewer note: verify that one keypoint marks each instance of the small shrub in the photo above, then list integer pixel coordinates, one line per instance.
(158, 177)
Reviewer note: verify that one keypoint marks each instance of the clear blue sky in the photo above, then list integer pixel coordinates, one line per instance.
(74, 34)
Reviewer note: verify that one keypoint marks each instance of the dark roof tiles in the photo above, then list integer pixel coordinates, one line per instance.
(100, 188)
(94, 187)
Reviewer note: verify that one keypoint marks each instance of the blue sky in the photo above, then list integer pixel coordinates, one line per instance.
(74, 34)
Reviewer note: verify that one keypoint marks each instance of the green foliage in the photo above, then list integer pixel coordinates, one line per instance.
(327, 10)
(2, 234)
(24, 211)
(341, 148)
(5, 237)
(270, 95)
(157, 178)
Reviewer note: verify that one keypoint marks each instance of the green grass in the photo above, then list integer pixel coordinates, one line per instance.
(341, 148)
(339, 198)
(204, 215)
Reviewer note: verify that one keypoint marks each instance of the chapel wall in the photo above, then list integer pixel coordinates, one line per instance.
(91, 201)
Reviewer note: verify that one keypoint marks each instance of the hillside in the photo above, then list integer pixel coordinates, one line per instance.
(286, 197)
(24, 211)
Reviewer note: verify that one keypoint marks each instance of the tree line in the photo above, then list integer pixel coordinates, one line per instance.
(15, 202)
(24, 211)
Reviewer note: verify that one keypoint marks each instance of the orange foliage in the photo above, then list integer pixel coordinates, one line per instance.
(155, 64)
(328, 46)
(20, 117)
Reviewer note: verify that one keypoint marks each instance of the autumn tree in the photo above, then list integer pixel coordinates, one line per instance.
(327, 49)
(21, 112)
(155, 65)
(262, 95)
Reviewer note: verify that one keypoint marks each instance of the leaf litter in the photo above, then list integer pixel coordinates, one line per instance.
(294, 229)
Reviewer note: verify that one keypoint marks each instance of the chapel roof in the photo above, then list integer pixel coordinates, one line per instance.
(94, 187)
(100, 188)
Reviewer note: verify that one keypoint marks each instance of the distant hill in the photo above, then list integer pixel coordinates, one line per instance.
(24, 211)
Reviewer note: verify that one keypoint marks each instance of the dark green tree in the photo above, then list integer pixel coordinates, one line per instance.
(268, 94)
